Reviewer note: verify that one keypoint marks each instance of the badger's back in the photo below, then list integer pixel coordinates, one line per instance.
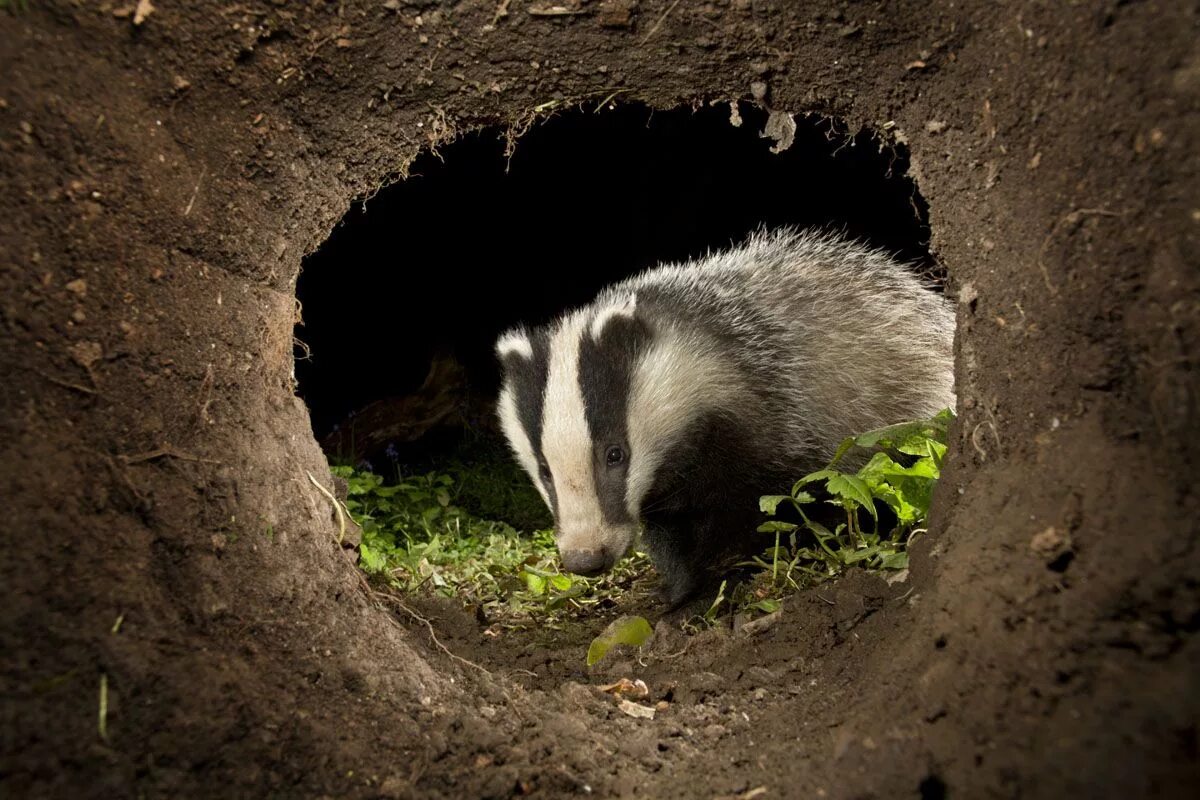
(820, 338)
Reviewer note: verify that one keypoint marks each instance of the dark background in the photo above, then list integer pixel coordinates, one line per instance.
(473, 242)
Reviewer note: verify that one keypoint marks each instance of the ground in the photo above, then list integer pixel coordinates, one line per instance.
(167, 167)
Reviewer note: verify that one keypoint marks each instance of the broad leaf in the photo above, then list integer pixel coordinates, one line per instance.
(633, 631)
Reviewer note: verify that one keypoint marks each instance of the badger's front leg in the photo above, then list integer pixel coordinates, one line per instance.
(682, 547)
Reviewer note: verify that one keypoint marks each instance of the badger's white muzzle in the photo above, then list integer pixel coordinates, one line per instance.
(591, 553)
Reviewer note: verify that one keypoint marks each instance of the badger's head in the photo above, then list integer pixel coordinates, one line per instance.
(588, 425)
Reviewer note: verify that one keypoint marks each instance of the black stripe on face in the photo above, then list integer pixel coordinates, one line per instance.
(527, 380)
(605, 374)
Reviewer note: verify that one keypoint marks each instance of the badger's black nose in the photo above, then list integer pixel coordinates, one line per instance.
(587, 562)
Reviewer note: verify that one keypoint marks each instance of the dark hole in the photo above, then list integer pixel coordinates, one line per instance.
(437, 265)
(940, 644)
(1063, 561)
(932, 788)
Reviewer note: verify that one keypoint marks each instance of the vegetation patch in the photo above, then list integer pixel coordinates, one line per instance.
(883, 504)
(468, 530)
(446, 532)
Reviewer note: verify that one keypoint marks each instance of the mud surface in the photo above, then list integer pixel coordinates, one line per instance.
(165, 175)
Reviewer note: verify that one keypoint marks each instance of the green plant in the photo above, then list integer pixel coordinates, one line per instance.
(895, 484)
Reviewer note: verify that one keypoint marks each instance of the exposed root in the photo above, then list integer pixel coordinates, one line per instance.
(102, 719)
(196, 191)
(654, 29)
(336, 507)
(396, 601)
(165, 451)
(67, 384)
(1071, 218)
(206, 394)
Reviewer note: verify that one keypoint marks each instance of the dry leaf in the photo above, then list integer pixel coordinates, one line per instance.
(625, 686)
(636, 709)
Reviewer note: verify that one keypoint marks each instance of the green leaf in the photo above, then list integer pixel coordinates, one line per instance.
(852, 490)
(895, 561)
(536, 584)
(776, 526)
(372, 560)
(821, 474)
(767, 606)
(892, 435)
(768, 503)
(561, 582)
(711, 614)
(843, 448)
(630, 630)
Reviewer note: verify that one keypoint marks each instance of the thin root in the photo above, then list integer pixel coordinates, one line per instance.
(658, 24)
(336, 507)
(102, 721)
(166, 451)
(1071, 218)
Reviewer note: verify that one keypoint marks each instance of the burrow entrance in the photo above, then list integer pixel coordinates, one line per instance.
(402, 304)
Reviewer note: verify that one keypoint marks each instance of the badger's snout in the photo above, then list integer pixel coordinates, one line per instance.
(587, 562)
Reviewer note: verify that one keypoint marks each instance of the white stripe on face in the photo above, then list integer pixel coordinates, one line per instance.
(519, 440)
(623, 308)
(678, 379)
(515, 342)
(567, 442)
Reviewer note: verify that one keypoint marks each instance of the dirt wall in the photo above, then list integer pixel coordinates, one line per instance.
(164, 176)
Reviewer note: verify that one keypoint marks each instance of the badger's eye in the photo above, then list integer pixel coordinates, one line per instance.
(614, 455)
(544, 472)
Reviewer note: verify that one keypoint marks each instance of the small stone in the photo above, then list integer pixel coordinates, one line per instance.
(616, 13)
(78, 287)
(935, 126)
(758, 90)
(1051, 544)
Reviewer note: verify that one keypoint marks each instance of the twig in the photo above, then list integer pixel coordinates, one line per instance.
(206, 394)
(336, 507)
(822, 599)
(658, 24)
(1071, 218)
(501, 11)
(67, 384)
(102, 723)
(196, 191)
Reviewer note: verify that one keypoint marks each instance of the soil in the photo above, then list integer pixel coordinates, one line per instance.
(168, 559)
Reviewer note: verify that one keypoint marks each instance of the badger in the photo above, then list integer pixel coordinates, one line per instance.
(669, 404)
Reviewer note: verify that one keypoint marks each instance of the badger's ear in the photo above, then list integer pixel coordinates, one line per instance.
(514, 347)
(619, 321)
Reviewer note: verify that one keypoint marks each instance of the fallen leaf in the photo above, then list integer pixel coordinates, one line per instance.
(636, 709)
(624, 686)
(630, 630)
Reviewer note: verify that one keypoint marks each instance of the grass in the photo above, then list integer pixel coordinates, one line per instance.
(444, 532)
